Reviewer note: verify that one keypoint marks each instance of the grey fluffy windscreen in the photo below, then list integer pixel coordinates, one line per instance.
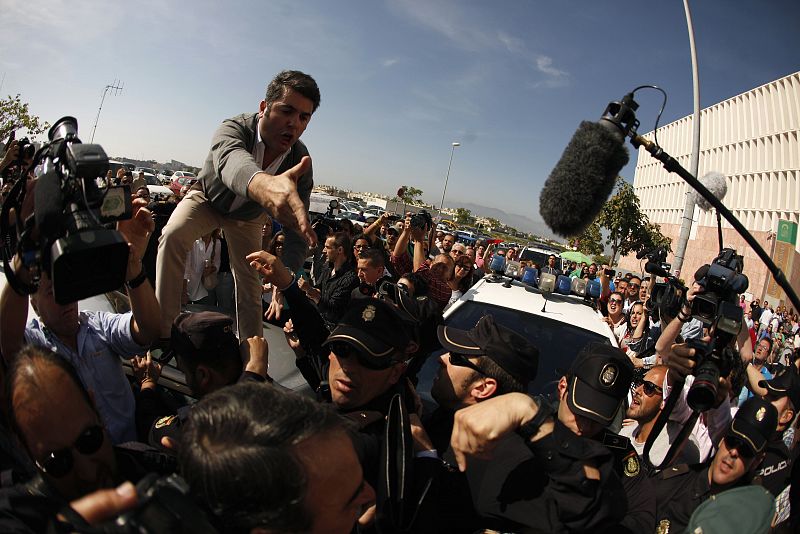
(715, 182)
(582, 180)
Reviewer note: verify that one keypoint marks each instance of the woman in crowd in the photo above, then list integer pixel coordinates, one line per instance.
(616, 313)
(461, 280)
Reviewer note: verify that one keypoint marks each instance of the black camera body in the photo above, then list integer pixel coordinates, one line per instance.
(72, 211)
(421, 220)
(718, 309)
(26, 151)
(165, 505)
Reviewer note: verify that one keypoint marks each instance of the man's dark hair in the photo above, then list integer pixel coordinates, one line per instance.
(295, 80)
(237, 455)
(420, 284)
(23, 373)
(374, 257)
(226, 362)
(505, 382)
(342, 239)
(636, 277)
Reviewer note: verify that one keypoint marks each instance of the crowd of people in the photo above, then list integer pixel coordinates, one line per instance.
(361, 306)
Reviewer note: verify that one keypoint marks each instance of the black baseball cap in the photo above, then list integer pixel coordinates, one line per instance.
(500, 344)
(754, 423)
(786, 383)
(203, 335)
(374, 329)
(600, 378)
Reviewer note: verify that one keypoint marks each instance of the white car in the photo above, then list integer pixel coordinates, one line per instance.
(559, 326)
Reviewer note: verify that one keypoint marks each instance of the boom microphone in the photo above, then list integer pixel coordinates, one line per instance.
(583, 179)
(715, 182)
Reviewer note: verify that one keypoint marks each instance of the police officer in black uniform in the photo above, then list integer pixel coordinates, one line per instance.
(590, 395)
(783, 391)
(208, 353)
(682, 488)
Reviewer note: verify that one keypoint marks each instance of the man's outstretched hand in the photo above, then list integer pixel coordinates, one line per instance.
(278, 194)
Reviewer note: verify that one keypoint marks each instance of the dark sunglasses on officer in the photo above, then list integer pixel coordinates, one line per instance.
(59, 463)
(344, 350)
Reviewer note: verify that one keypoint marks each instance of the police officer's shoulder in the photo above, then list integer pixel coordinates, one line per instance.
(680, 470)
(616, 442)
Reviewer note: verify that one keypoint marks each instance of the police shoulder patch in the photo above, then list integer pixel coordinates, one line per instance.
(165, 421)
(631, 466)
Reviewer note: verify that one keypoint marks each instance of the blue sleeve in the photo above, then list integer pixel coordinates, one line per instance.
(116, 329)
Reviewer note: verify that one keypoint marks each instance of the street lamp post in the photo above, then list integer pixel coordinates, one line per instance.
(452, 151)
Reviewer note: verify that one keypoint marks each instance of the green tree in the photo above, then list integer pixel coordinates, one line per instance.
(15, 115)
(494, 223)
(412, 195)
(629, 230)
(464, 216)
(590, 242)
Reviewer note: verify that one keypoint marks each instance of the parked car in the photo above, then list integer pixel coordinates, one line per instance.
(558, 329)
(165, 176)
(146, 170)
(180, 179)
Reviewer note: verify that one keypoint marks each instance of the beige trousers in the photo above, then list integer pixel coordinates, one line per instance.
(193, 217)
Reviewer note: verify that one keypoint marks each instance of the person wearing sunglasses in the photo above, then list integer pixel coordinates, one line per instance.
(590, 395)
(367, 355)
(478, 364)
(93, 341)
(647, 396)
(682, 488)
(616, 317)
(60, 428)
(632, 293)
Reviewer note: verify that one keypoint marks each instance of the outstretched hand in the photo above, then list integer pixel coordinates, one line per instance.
(278, 194)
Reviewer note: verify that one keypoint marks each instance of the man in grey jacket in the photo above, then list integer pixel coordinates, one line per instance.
(257, 166)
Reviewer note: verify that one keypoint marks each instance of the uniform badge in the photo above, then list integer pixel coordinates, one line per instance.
(760, 414)
(609, 375)
(631, 466)
(369, 313)
(165, 421)
(663, 527)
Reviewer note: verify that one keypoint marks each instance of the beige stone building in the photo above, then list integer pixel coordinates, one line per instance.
(752, 139)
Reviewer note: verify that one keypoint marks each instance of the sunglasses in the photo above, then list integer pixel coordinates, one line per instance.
(461, 360)
(614, 301)
(345, 351)
(733, 442)
(648, 387)
(59, 463)
(634, 286)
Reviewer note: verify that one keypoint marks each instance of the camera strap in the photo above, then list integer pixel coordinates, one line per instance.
(661, 422)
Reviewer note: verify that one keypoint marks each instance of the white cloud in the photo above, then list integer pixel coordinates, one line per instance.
(390, 62)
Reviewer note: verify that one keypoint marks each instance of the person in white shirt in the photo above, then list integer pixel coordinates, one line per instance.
(203, 260)
(647, 401)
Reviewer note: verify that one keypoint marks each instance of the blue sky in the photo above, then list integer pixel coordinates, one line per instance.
(400, 79)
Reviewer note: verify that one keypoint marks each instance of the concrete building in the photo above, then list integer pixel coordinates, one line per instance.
(752, 139)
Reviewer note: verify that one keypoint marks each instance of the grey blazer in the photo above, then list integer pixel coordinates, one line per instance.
(227, 171)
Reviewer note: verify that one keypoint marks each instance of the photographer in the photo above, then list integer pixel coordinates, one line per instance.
(92, 341)
(436, 273)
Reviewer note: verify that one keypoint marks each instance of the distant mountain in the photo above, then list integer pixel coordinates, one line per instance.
(520, 222)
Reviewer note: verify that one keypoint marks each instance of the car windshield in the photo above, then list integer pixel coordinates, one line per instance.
(558, 342)
(151, 180)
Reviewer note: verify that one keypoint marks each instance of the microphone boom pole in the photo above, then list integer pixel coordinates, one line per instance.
(672, 165)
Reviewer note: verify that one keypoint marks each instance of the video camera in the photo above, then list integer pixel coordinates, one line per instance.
(422, 220)
(67, 236)
(717, 308)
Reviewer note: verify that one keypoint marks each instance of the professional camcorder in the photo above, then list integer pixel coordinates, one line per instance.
(717, 308)
(422, 220)
(68, 235)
